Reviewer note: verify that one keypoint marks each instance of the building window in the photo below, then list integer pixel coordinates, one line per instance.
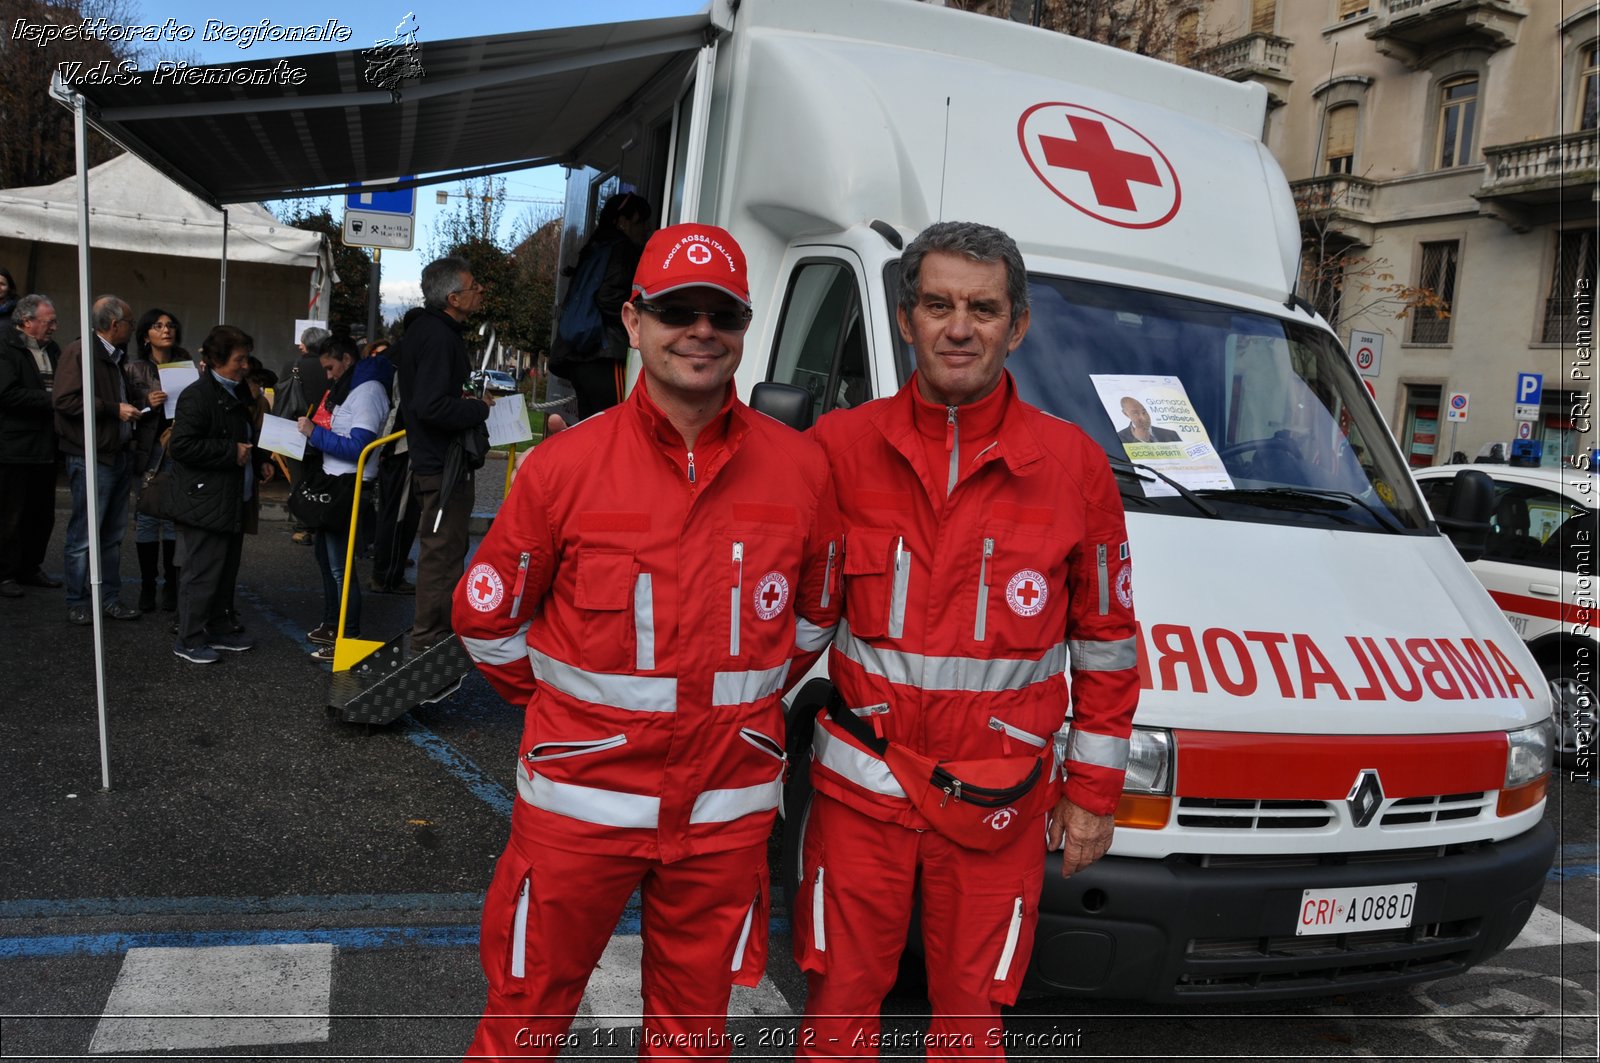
(1589, 88)
(1438, 275)
(1353, 8)
(1575, 262)
(1339, 148)
(1458, 110)
(1263, 16)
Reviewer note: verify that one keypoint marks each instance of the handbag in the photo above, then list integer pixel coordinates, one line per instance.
(156, 487)
(981, 804)
(319, 500)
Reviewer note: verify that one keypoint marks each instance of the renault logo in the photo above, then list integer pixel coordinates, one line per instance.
(1365, 798)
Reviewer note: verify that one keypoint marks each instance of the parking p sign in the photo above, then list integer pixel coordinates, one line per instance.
(1456, 407)
(1530, 393)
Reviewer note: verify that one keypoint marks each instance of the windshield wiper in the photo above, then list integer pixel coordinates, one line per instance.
(1123, 467)
(1347, 499)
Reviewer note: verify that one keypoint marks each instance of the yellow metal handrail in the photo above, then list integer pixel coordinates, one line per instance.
(347, 653)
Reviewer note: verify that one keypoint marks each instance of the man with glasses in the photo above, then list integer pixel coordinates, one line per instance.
(434, 368)
(659, 575)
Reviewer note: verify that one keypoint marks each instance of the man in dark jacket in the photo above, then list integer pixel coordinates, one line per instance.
(118, 404)
(28, 358)
(433, 374)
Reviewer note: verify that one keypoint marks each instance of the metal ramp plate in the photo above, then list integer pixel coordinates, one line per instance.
(392, 681)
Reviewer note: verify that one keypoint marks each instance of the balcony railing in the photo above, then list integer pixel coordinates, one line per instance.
(1568, 159)
(1258, 53)
(1333, 194)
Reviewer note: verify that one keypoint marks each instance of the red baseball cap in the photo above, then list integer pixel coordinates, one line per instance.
(692, 255)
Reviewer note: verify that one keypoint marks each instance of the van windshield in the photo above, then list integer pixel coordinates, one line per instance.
(1210, 411)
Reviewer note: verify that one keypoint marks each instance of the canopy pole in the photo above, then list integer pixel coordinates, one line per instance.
(222, 284)
(89, 352)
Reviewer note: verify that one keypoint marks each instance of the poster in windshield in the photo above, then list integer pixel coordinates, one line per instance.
(1158, 427)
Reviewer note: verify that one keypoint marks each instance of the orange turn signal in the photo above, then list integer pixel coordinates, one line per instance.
(1519, 798)
(1143, 811)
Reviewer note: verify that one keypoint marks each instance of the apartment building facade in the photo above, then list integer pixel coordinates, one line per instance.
(1443, 155)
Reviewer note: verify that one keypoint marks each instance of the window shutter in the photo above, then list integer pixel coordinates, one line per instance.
(1341, 133)
(1352, 8)
(1262, 15)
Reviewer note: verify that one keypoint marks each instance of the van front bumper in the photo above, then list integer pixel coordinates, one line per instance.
(1173, 930)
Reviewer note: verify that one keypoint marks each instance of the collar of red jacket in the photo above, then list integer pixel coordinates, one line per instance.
(978, 420)
(727, 427)
(1017, 446)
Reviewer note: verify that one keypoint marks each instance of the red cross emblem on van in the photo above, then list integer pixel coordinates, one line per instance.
(1100, 165)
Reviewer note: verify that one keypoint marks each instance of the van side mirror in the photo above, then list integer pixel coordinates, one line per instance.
(1465, 515)
(787, 403)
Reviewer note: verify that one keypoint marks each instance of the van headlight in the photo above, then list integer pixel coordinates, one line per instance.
(1529, 752)
(1150, 762)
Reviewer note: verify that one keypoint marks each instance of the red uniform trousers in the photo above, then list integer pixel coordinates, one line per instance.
(978, 916)
(704, 924)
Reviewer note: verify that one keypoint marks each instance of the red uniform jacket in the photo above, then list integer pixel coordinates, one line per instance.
(962, 612)
(649, 606)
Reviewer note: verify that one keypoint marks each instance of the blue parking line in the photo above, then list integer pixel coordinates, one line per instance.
(460, 765)
(93, 907)
(1561, 874)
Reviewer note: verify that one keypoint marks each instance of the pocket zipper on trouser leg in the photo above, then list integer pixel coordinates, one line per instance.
(980, 625)
(1014, 931)
(519, 934)
(736, 594)
(744, 936)
(819, 937)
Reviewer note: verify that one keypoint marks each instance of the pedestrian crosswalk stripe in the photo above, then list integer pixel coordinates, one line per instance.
(615, 999)
(210, 998)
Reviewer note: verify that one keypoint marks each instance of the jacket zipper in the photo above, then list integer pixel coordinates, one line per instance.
(897, 599)
(1008, 732)
(873, 714)
(519, 934)
(827, 574)
(1003, 970)
(691, 466)
(981, 624)
(737, 594)
(952, 445)
(1105, 584)
(522, 579)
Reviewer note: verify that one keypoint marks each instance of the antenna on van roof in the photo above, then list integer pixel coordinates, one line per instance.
(1316, 156)
(944, 167)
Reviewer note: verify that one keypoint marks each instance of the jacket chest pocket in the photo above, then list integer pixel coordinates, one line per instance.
(877, 582)
(763, 560)
(614, 600)
(1018, 596)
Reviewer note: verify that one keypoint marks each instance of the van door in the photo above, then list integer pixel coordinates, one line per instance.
(821, 342)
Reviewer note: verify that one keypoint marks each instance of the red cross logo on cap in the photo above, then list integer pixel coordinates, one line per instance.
(1100, 165)
(485, 589)
(699, 254)
(772, 594)
(1026, 592)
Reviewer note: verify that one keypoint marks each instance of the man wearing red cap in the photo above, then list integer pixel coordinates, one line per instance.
(659, 575)
(985, 548)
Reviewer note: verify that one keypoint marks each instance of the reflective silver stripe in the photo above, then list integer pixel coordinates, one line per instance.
(739, 688)
(644, 624)
(808, 637)
(1102, 750)
(508, 650)
(519, 934)
(901, 585)
(968, 674)
(1002, 970)
(1103, 655)
(634, 692)
(610, 808)
(861, 768)
(725, 806)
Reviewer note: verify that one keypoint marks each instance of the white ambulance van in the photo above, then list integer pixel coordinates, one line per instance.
(1342, 751)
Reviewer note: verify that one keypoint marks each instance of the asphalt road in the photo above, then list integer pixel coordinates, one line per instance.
(254, 857)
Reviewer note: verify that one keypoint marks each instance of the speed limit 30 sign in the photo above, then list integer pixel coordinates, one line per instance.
(1366, 350)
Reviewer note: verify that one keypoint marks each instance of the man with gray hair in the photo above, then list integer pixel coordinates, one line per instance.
(434, 371)
(28, 358)
(985, 547)
(118, 403)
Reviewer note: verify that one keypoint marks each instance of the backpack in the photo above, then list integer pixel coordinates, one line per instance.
(581, 329)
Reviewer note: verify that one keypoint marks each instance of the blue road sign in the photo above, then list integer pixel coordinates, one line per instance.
(1530, 389)
(376, 202)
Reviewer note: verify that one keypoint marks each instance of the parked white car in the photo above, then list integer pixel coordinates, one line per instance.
(1539, 565)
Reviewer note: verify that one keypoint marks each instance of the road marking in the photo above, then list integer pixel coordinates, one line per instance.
(1550, 928)
(614, 998)
(208, 998)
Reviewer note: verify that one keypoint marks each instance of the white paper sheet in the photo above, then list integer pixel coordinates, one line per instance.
(174, 378)
(508, 421)
(282, 436)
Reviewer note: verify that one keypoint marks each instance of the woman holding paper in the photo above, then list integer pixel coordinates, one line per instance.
(217, 472)
(158, 339)
(350, 416)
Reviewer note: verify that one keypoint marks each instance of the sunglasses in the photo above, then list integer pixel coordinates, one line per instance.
(675, 316)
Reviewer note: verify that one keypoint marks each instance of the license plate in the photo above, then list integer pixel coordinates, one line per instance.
(1356, 908)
